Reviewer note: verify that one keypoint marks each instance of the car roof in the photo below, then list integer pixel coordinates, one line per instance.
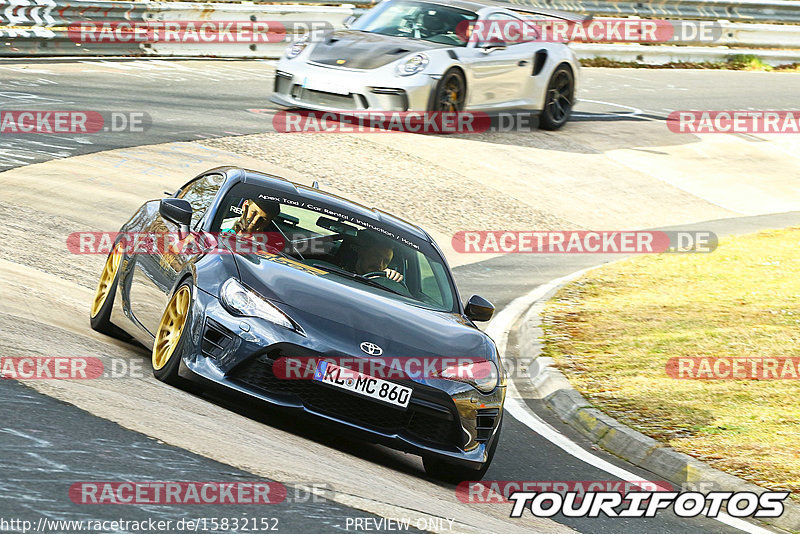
(478, 5)
(331, 200)
(462, 4)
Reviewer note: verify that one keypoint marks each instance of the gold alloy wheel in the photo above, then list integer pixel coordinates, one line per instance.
(106, 279)
(171, 327)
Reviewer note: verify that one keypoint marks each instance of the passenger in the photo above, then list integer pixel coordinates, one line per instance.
(257, 216)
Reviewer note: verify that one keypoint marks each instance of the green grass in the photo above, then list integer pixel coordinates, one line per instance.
(737, 62)
(612, 332)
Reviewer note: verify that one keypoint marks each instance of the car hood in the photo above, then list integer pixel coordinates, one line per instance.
(338, 318)
(363, 50)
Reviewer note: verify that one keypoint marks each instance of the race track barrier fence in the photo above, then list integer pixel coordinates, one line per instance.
(768, 29)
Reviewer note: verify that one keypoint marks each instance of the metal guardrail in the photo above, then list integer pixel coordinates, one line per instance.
(39, 27)
(767, 11)
(662, 54)
(772, 11)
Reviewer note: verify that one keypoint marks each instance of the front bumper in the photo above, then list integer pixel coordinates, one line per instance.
(444, 419)
(356, 90)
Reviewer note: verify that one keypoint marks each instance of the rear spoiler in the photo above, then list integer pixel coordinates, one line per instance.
(552, 13)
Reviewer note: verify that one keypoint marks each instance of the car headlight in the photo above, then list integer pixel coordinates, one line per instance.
(413, 65)
(241, 301)
(297, 47)
(482, 374)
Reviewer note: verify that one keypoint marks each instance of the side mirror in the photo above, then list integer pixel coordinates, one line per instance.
(178, 211)
(349, 21)
(479, 309)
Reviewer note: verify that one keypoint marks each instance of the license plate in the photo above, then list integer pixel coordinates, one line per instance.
(361, 384)
(327, 85)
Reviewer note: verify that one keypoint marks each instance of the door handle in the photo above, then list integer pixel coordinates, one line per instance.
(523, 63)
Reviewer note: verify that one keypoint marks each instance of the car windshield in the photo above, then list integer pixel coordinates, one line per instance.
(343, 246)
(418, 20)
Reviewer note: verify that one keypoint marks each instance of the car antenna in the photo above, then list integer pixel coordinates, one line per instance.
(315, 184)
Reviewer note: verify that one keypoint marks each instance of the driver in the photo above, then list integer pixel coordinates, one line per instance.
(432, 24)
(374, 255)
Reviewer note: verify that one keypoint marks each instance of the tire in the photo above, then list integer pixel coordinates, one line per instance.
(454, 474)
(171, 336)
(444, 98)
(559, 99)
(103, 302)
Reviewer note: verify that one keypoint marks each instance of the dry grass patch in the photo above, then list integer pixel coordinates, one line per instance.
(613, 331)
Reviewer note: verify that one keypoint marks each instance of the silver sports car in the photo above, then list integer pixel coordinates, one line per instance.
(406, 55)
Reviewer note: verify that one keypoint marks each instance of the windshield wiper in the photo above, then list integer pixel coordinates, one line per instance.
(354, 276)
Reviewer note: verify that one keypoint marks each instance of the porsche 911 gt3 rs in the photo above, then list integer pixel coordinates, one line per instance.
(342, 285)
(426, 55)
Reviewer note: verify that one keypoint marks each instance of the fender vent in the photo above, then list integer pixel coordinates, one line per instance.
(538, 61)
(452, 55)
(485, 423)
(216, 339)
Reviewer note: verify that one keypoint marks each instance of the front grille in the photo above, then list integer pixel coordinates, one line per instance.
(485, 423)
(423, 424)
(322, 98)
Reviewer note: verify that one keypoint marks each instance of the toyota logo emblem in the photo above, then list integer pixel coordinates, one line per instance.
(371, 348)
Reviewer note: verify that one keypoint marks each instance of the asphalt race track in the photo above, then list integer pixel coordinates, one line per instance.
(48, 444)
(176, 95)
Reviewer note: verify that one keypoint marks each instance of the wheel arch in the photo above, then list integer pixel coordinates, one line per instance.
(435, 86)
(546, 120)
(186, 275)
